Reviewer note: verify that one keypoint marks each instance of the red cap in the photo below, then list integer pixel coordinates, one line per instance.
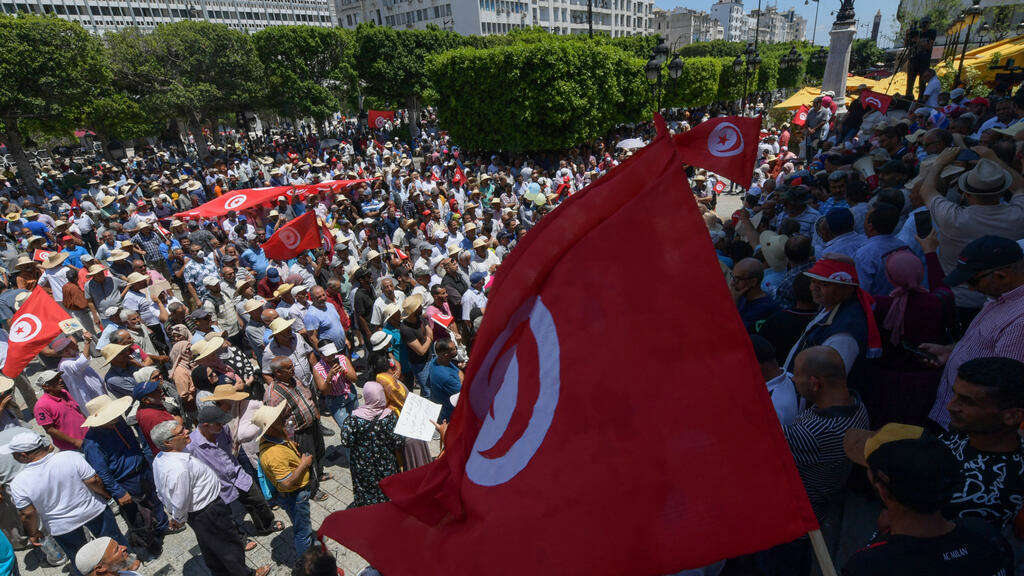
(66, 237)
(979, 100)
(842, 272)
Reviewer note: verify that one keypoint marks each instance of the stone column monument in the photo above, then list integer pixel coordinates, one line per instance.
(838, 64)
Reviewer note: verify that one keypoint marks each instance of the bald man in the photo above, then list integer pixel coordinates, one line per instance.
(816, 442)
(753, 303)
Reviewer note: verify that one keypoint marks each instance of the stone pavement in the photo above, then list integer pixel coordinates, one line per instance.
(181, 553)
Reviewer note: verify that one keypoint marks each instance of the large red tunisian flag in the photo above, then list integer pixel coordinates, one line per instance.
(302, 233)
(592, 438)
(876, 100)
(236, 200)
(726, 146)
(800, 118)
(377, 118)
(33, 326)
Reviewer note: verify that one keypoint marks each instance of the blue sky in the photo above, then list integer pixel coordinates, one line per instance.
(865, 10)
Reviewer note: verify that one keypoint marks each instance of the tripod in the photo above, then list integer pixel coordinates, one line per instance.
(901, 59)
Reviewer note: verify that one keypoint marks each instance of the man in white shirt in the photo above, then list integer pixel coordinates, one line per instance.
(483, 259)
(474, 298)
(932, 89)
(60, 490)
(190, 491)
(779, 382)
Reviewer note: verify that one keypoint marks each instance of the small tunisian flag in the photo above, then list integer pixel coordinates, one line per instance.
(549, 468)
(726, 146)
(876, 100)
(378, 118)
(33, 326)
(800, 118)
(302, 233)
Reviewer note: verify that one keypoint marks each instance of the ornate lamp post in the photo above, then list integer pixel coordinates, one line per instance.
(653, 69)
(791, 61)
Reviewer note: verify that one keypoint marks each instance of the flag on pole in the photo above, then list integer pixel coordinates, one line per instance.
(41, 255)
(302, 233)
(33, 327)
(875, 100)
(378, 119)
(326, 240)
(726, 146)
(800, 118)
(548, 467)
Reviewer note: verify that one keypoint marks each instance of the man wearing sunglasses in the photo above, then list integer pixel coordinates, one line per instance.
(993, 266)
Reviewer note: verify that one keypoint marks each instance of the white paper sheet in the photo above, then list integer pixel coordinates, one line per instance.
(416, 417)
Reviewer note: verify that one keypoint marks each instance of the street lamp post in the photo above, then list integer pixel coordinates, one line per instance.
(748, 64)
(791, 61)
(971, 17)
(814, 31)
(653, 69)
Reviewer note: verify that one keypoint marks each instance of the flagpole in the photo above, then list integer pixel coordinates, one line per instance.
(821, 553)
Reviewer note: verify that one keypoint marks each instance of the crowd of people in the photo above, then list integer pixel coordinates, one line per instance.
(875, 262)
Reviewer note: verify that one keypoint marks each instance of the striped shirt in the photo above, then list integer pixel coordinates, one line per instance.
(998, 330)
(299, 398)
(816, 441)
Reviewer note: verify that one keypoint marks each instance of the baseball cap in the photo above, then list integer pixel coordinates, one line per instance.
(477, 277)
(985, 253)
(839, 219)
(920, 470)
(144, 388)
(23, 442)
(210, 414)
(273, 275)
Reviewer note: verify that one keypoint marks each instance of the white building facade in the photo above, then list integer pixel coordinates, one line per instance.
(100, 16)
(737, 25)
(682, 26)
(612, 17)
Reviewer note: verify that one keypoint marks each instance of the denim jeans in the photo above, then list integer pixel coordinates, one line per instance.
(102, 525)
(341, 406)
(296, 505)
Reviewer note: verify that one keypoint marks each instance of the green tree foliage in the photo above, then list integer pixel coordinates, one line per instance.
(309, 69)
(864, 54)
(730, 83)
(189, 69)
(636, 46)
(117, 116)
(713, 49)
(49, 69)
(697, 85)
(537, 96)
(767, 75)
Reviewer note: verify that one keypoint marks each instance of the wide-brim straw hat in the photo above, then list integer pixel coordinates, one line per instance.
(104, 409)
(280, 325)
(205, 348)
(265, 416)
(226, 392)
(411, 304)
(110, 351)
(55, 259)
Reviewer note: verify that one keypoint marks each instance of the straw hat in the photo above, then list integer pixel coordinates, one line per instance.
(226, 392)
(265, 417)
(105, 409)
(110, 351)
(411, 304)
(136, 277)
(379, 341)
(107, 201)
(280, 325)
(205, 348)
(117, 255)
(6, 384)
(253, 304)
(479, 243)
(24, 261)
(390, 310)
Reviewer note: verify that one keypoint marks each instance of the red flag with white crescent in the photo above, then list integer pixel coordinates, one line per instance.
(302, 233)
(378, 119)
(726, 146)
(33, 327)
(548, 467)
(800, 118)
(42, 255)
(875, 100)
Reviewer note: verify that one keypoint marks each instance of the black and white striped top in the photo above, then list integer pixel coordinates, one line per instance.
(816, 441)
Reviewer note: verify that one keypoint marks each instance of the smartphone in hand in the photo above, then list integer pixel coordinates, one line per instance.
(923, 223)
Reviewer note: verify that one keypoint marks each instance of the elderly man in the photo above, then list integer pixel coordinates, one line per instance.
(285, 342)
(211, 443)
(60, 490)
(221, 308)
(302, 409)
(322, 320)
(388, 295)
(191, 492)
(152, 312)
(104, 556)
(752, 302)
(111, 448)
(120, 377)
(287, 468)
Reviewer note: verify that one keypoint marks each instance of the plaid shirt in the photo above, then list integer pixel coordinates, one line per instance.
(194, 273)
(151, 246)
(300, 402)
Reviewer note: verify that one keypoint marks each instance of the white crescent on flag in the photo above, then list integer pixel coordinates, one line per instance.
(725, 140)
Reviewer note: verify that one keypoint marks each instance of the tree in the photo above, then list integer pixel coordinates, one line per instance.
(392, 63)
(697, 85)
(116, 116)
(864, 54)
(189, 69)
(50, 68)
(537, 96)
(308, 69)
(712, 49)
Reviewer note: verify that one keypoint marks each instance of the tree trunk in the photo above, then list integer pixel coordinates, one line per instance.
(412, 104)
(105, 146)
(26, 171)
(202, 147)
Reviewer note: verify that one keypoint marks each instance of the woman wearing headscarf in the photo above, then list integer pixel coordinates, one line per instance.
(182, 365)
(369, 435)
(210, 370)
(908, 316)
(388, 373)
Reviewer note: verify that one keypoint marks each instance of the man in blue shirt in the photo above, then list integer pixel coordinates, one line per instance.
(879, 225)
(112, 449)
(444, 378)
(253, 257)
(322, 320)
(34, 225)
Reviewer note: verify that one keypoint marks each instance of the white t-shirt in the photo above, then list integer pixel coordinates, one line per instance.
(55, 486)
(784, 398)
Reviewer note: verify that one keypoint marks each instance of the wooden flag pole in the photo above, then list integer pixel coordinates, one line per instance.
(821, 553)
